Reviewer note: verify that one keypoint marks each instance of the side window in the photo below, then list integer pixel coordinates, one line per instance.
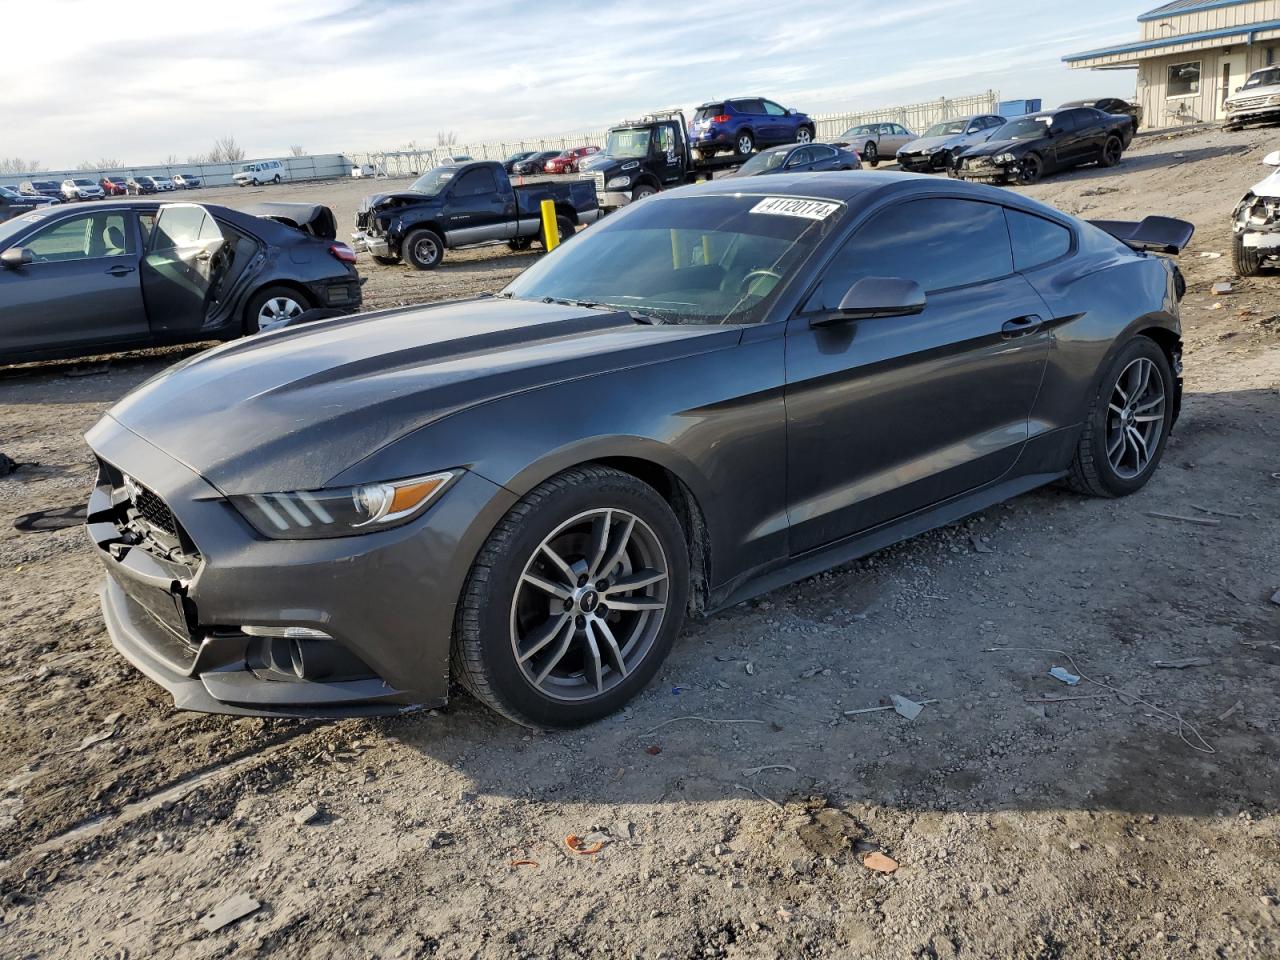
(666, 142)
(82, 238)
(821, 152)
(772, 109)
(899, 129)
(177, 227)
(749, 106)
(938, 242)
(800, 157)
(475, 183)
(1066, 122)
(1035, 239)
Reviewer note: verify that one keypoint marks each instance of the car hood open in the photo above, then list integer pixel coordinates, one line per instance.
(293, 409)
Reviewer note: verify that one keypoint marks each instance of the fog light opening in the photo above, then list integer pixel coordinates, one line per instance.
(295, 658)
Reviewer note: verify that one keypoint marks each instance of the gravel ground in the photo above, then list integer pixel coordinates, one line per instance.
(1098, 827)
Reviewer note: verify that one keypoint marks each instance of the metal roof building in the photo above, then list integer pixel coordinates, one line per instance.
(1191, 55)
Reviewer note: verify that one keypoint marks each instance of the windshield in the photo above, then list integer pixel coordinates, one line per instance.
(83, 183)
(629, 143)
(764, 162)
(860, 132)
(950, 128)
(433, 182)
(698, 260)
(1028, 128)
(1264, 78)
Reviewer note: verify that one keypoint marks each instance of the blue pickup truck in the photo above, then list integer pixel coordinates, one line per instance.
(466, 205)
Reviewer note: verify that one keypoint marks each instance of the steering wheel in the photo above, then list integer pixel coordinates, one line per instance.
(748, 280)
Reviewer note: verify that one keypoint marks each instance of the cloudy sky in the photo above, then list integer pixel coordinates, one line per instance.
(162, 78)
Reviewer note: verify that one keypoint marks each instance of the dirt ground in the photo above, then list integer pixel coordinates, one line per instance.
(734, 799)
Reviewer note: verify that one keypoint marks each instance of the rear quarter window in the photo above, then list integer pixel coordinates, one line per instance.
(1036, 241)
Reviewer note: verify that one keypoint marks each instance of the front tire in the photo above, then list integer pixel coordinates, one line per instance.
(1030, 170)
(1128, 423)
(642, 191)
(871, 154)
(804, 135)
(1247, 260)
(574, 601)
(422, 249)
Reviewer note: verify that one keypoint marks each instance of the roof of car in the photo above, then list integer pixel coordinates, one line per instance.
(858, 189)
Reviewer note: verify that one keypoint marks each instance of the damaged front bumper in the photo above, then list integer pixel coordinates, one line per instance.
(228, 621)
(986, 170)
(1257, 224)
(371, 243)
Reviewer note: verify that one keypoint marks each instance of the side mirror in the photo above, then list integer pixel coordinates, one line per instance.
(1272, 159)
(16, 257)
(791, 111)
(874, 297)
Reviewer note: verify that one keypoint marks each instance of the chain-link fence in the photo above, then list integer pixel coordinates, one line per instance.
(915, 117)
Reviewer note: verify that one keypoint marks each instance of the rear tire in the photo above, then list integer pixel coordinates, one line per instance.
(564, 226)
(1247, 260)
(273, 307)
(745, 144)
(804, 135)
(422, 249)
(1112, 151)
(642, 191)
(509, 630)
(1121, 444)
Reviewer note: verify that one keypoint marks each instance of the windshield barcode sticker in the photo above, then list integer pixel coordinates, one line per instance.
(793, 207)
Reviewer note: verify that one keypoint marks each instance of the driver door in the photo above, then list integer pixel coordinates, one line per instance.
(668, 158)
(180, 269)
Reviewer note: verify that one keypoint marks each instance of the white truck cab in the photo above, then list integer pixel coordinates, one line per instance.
(259, 172)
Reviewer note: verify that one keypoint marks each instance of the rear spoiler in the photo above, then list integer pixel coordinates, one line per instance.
(1158, 234)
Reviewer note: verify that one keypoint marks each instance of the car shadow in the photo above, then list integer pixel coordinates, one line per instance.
(789, 695)
(98, 379)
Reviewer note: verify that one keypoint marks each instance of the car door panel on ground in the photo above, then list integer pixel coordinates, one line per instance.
(82, 286)
(887, 416)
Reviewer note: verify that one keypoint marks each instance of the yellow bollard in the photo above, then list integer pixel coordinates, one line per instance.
(550, 229)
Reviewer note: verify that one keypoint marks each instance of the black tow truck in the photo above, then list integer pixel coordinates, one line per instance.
(465, 205)
(647, 155)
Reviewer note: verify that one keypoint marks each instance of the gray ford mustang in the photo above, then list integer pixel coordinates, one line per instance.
(714, 392)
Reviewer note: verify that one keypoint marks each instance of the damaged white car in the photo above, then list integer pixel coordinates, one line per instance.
(1257, 223)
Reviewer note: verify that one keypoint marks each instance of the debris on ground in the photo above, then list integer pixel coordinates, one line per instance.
(879, 863)
(7, 465)
(1275, 598)
(1065, 675)
(752, 771)
(881, 709)
(1221, 289)
(653, 749)
(229, 911)
(93, 738)
(89, 370)
(829, 832)
(1182, 664)
(905, 707)
(524, 863)
(307, 815)
(585, 846)
(1235, 708)
(1201, 521)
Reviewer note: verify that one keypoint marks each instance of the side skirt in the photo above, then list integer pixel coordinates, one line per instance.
(859, 545)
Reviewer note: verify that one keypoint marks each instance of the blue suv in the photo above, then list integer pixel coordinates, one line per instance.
(742, 125)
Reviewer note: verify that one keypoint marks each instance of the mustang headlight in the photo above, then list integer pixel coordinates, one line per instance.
(1005, 158)
(340, 511)
(616, 183)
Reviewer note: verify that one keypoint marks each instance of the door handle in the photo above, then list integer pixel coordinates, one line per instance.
(119, 270)
(1020, 326)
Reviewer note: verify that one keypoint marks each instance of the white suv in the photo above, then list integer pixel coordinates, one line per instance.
(259, 172)
(78, 189)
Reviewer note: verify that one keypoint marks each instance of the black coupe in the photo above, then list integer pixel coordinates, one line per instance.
(714, 392)
(134, 273)
(1024, 150)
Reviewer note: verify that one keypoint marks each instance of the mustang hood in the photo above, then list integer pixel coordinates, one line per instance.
(292, 409)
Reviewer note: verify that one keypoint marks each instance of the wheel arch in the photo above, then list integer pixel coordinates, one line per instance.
(1171, 344)
(299, 288)
(677, 482)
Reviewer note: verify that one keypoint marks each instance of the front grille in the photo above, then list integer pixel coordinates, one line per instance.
(599, 178)
(1250, 103)
(362, 220)
(155, 511)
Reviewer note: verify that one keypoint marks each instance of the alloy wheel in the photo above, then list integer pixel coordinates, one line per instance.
(589, 604)
(425, 250)
(802, 136)
(1135, 418)
(277, 312)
